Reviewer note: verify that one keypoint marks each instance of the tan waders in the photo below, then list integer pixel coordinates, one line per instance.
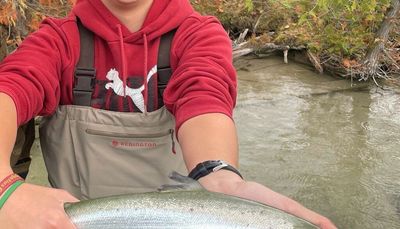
(20, 157)
(92, 152)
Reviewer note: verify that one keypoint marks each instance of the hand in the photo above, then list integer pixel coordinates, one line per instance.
(229, 183)
(325, 223)
(32, 206)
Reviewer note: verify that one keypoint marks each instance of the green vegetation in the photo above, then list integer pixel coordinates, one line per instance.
(18, 18)
(338, 32)
(340, 27)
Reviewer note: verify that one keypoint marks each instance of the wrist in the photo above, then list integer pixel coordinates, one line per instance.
(211, 166)
(222, 181)
(9, 191)
(7, 183)
(324, 222)
(5, 171)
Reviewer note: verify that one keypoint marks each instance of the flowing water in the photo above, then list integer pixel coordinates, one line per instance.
(329, 144)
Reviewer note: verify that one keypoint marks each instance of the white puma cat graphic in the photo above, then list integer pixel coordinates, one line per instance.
(135, 94)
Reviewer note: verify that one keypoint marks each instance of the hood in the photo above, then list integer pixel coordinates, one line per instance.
(163, 16)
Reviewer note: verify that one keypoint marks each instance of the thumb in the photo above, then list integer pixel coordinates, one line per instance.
(66, 197)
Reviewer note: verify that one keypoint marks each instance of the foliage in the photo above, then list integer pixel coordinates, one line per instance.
(18, 18)
(341, 28)
(235, 15)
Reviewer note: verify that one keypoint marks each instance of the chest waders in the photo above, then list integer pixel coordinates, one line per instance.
(93, 152)
(20, 156)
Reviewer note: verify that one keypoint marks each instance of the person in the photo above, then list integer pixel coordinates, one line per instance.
(124, 138)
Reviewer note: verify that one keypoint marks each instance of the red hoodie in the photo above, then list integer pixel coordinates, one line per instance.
(39, 75)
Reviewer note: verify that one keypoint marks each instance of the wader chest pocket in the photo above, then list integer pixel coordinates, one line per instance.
(125, 162)
(153, 137)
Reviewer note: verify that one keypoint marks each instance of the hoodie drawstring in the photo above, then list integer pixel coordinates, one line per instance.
(123, 57)
(124, 67)
(145, 72)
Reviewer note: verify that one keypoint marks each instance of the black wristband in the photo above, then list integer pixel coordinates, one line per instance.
(204, 168)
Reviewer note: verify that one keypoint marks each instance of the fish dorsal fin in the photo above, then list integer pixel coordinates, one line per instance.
(181, 183)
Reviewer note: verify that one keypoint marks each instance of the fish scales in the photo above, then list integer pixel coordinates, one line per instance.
(179, 209)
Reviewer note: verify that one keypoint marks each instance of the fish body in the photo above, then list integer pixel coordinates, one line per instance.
(179, 209)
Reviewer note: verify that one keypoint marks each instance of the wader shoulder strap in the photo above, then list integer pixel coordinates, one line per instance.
(163, 63)
(85, 74)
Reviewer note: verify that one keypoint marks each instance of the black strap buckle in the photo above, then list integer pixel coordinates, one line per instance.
(84, 79)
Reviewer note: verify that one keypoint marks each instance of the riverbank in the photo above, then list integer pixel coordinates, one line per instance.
(356, 40)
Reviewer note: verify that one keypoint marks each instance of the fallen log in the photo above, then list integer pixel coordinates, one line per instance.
(245, 48)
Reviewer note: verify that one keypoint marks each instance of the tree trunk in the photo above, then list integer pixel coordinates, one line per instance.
(372, 57)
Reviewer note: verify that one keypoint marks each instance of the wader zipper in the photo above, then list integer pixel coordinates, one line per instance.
(172, 140)
(127, 135)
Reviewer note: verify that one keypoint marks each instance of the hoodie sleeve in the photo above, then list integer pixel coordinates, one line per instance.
(204, 79)
(31, 74)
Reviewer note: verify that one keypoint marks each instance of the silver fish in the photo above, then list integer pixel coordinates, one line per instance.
(179, 209)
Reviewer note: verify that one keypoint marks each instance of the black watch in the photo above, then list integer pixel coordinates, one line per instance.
(207, 167)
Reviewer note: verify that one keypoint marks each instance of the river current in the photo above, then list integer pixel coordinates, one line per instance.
(331, 144)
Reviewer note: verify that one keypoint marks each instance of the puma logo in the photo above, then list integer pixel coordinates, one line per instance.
(134, 93)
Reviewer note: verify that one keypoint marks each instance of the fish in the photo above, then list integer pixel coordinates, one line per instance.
(173, 209)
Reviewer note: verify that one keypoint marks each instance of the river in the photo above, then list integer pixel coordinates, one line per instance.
(330, 144)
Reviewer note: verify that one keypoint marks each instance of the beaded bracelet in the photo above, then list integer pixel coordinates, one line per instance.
(8, 181)
(9, 191)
